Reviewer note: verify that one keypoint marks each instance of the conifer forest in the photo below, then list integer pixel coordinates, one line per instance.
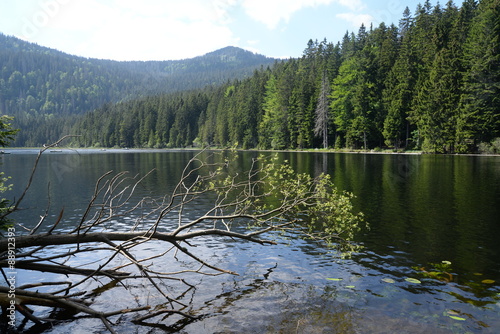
(431, 83)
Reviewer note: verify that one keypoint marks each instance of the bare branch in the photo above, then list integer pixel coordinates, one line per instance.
(267, 197)
(15, 207)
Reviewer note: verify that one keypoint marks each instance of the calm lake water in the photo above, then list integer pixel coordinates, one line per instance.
(421, 210)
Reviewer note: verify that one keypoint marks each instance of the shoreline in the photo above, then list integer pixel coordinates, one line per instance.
(63, 149)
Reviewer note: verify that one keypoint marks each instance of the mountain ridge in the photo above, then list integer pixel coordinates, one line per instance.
(15, 42)
(38, 83)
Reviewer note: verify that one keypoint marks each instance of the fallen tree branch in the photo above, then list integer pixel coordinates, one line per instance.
(267, 197)
(65, 270)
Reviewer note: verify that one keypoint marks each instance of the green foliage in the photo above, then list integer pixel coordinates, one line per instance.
(341, 96)
(436, 76)
(272, 128)
(479, 112)
(278, 198)
(333, 212)
(44, 88)
(7, 134)
(5, 206)
(326, 212)
(398, 93)
(490, 148)
(440, 271)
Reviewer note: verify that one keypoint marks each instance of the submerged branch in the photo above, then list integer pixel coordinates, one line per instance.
(66, 270)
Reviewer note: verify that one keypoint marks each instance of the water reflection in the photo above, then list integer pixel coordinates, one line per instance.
(422, 210)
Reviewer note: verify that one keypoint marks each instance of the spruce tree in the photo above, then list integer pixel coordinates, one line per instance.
(400, 83)
(479, 119)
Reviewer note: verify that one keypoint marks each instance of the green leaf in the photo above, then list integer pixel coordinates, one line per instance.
(457, 318)
(350, 286)
(487, 281)
(413, 280)
(388, 280)
(334, 279)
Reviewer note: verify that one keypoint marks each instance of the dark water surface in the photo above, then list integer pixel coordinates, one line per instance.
(421, 209)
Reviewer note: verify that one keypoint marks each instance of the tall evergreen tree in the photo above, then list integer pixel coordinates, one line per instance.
(479, 118)
(438, 73)
(438, 95)
(436, 106)
(400, 82)
(341, 97)
(272, 126)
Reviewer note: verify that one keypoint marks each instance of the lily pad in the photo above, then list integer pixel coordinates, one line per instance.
(487, 281)
(334, 279)
(388, 280)
(413, 280)
(350, 286)
(457, 318)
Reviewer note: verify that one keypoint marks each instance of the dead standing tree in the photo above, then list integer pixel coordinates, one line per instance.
(267, 197)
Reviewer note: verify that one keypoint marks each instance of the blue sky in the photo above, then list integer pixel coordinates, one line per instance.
(176, 29)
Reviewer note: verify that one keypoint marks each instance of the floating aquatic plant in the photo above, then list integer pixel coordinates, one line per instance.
(388, 280)
(413, 280)
(440, 271)
(454, 315)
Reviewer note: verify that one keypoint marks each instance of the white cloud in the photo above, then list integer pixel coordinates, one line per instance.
(356, 19)
(222, 8)
(167, 29)
(272, 12)
(130, 29)
(252, 49)
(354, 5)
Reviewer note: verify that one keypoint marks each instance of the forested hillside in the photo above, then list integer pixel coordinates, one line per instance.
(433, 83)
(40, 85)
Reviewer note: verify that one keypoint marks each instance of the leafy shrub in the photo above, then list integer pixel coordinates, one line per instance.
(490, 148)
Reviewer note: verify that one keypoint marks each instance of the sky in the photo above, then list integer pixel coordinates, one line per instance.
(179, 29)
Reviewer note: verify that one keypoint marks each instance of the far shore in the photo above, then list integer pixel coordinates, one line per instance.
(7, 150)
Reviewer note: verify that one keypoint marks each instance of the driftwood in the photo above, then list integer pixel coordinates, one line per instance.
(267, 197)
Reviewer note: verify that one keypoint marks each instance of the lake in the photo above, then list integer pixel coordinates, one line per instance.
(421, 209)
